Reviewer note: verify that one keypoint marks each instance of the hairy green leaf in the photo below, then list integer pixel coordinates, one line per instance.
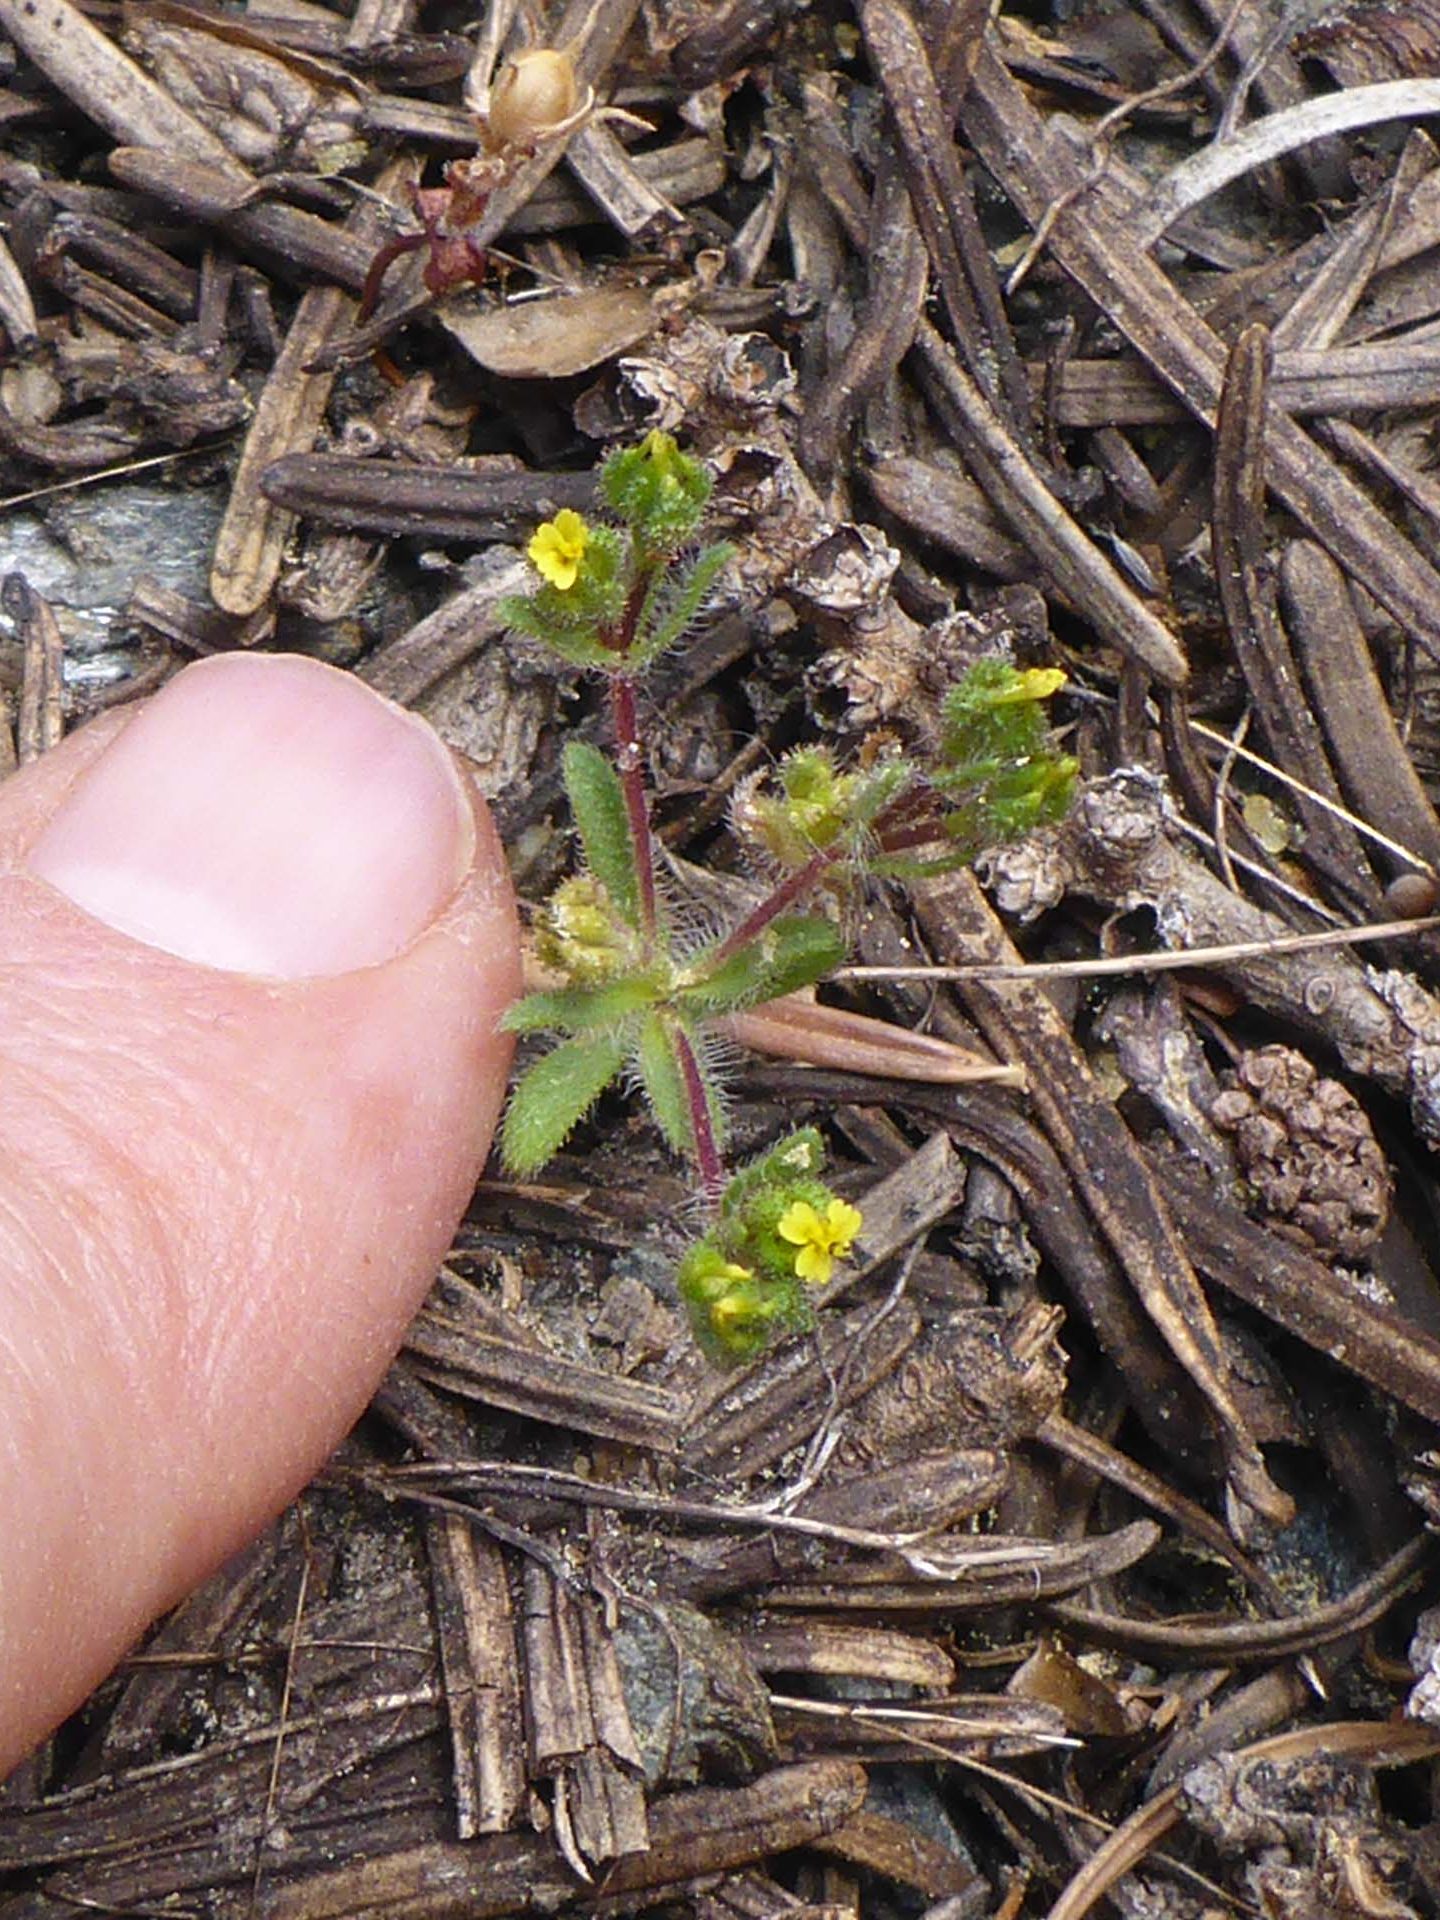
(797, 1156)
(880, 787)
(554, 1096)
(996, 712)
(577, 646)
(663, 1079)
(792, 952)
(674, 603)
(597, 802)
(580, 1009)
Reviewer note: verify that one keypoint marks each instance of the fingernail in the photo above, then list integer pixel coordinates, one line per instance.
(265, 814)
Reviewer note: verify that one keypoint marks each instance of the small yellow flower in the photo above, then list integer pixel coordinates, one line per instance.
(822, 1238)
(1037, 683)
(557, 548)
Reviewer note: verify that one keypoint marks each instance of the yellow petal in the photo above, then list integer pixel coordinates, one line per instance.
(572, 531)
(799, 1224)
(1041, 682)
(556, 548)
(814, 1265)
(843, 1223)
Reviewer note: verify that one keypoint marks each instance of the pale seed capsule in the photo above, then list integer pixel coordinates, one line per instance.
(534, 94)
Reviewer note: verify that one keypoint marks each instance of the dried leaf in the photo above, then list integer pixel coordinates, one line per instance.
(548, 339)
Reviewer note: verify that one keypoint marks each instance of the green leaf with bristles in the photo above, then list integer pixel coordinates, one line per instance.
(880, 787)
(996, 712)
(580, 1009)
(553, 1096)
(657, 1061)
(597, 802)
(796, 1156)
(577, 647)
(792, 952)
(676, 603)
(966, 775)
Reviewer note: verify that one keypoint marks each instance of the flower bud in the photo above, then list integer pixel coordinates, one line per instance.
(657, 489)
(580, 936)
(814, 806)
(533, 95)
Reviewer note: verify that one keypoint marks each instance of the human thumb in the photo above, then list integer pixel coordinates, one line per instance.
(255, 937)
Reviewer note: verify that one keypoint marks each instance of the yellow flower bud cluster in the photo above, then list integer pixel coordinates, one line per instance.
(579, 935)
(779, 1232)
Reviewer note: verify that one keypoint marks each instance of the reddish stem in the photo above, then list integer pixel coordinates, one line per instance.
(893, 830)
(375, 273)
(790, 889)
(624, 635)
(707, 1151)
(629, 763)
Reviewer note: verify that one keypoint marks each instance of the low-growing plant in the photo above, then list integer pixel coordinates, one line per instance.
(634, 988)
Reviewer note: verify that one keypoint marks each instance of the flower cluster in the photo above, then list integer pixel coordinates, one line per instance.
(809, 807)
(996, 775)
(658, 488)
(579, 935)
(615, 597)
(780, 1229)
(996, 758)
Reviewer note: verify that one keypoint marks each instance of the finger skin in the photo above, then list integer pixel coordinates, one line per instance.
(221, 1200)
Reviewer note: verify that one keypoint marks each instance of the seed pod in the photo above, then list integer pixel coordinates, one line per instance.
(1410, 896)
(534, 95)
